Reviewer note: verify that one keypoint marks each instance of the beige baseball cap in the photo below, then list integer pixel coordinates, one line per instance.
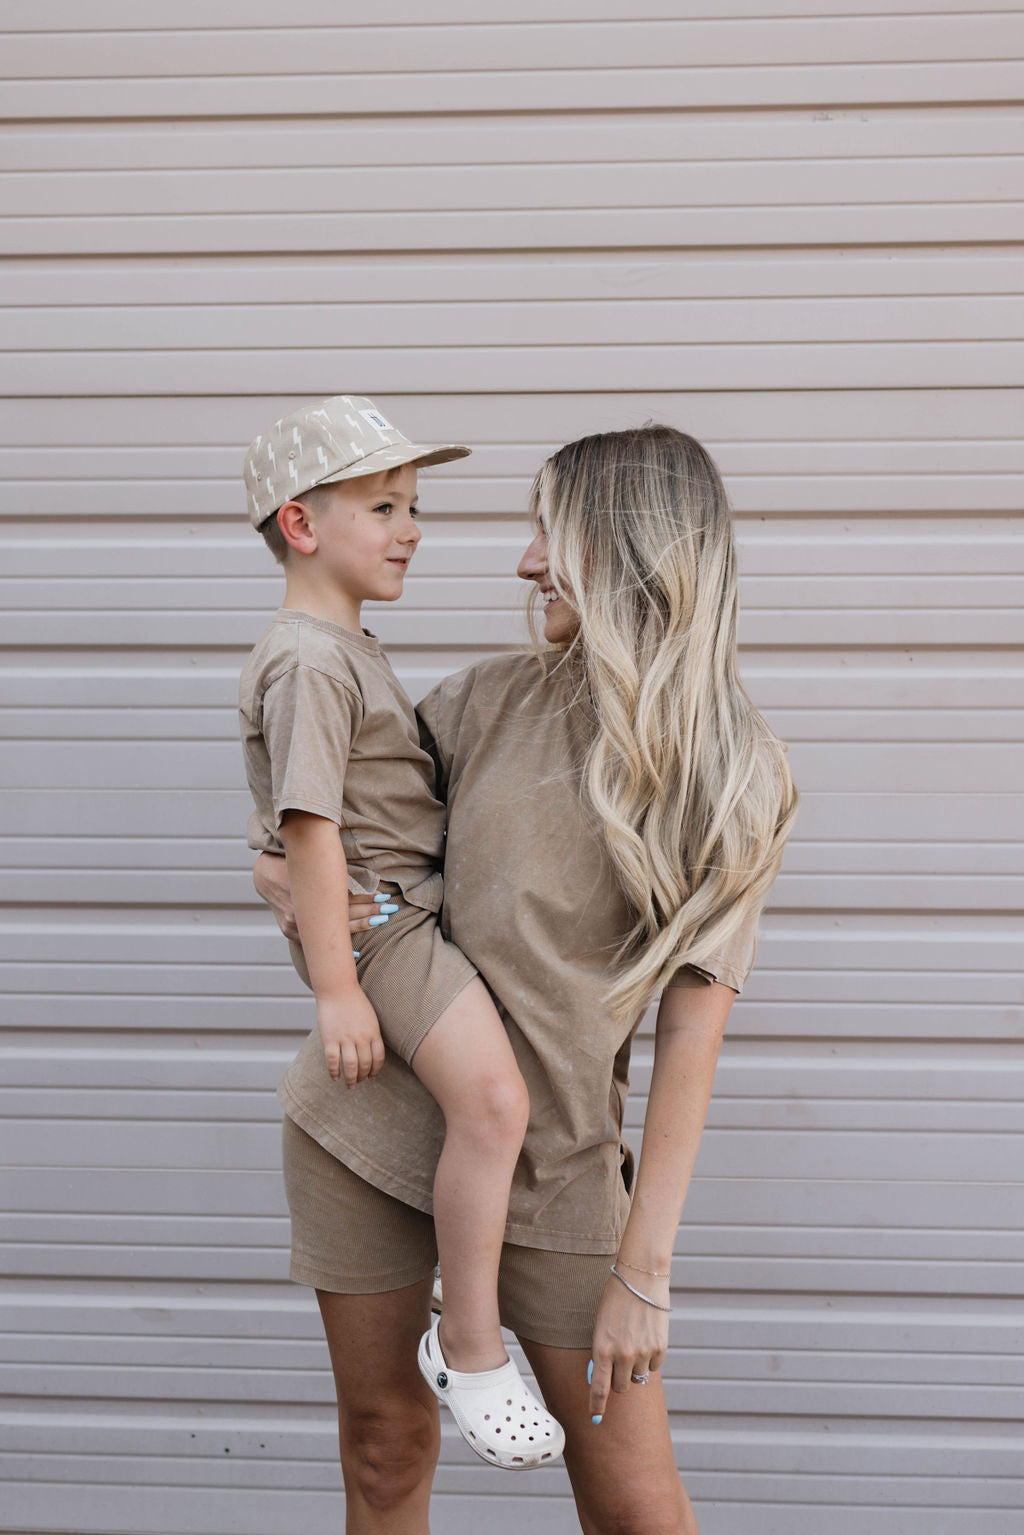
(335, 439)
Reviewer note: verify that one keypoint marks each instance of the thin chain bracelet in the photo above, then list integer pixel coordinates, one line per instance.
(639, 1293)
(654, 1273)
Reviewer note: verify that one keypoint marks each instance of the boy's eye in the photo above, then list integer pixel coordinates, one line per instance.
(385, 506)
(414, 511)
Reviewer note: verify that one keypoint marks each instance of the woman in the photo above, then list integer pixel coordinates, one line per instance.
(617, 812)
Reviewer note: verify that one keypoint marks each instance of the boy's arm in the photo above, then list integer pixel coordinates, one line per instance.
(319, 880)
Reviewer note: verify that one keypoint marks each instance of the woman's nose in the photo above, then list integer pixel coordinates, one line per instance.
(534, 561)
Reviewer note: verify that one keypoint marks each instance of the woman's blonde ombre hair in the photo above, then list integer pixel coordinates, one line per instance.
(691, 787)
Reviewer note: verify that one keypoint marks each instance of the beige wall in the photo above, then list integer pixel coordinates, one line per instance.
(797, 236)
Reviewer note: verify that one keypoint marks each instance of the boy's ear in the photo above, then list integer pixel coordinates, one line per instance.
(297, 526)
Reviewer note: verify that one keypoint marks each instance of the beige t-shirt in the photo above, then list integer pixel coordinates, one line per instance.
(531, 900)
(327, 727)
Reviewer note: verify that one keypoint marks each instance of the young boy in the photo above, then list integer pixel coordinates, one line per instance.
(342, 786)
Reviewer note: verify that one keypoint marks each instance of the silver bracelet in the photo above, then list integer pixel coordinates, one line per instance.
(639, 1293)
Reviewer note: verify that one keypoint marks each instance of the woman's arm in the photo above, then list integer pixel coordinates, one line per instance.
(270, 876)
(630, 1335)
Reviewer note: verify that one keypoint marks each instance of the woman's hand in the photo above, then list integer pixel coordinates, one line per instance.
(270, 876)
(630, 1338)
(361, 908)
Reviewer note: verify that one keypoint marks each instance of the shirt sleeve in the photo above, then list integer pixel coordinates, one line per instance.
(428, 712)
(309, 723)
(440, 715)
(731, 964)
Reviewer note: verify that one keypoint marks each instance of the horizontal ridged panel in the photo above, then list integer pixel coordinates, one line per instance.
(695, 61)
(372, 50)
(815, 275)
(782, 141)
(57, 16)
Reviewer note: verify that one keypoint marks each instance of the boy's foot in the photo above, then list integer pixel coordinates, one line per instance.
(496, 1412)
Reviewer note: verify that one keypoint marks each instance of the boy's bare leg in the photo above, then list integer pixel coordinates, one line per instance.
(467, 1064)
(387, 1416)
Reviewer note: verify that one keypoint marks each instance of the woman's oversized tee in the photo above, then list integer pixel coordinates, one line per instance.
(531, 900)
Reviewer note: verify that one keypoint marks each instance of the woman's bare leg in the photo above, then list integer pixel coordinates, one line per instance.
(623, 1471)
(467, 1064)
(387, 1417)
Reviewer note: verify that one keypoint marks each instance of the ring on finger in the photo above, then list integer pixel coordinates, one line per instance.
(640, 1379)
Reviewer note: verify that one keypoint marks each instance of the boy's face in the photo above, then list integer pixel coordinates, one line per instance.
(366, 535)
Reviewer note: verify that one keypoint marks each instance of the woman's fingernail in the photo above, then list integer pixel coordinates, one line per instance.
(376, 921)
(596, 1419)
(355, 953)
(389, 909)
(590, 1372)
(379, 898)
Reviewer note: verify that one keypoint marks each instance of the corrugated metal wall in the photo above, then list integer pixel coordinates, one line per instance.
(796, 235)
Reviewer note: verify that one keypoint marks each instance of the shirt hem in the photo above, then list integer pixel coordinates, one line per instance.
(711, 972)
(410, 1194)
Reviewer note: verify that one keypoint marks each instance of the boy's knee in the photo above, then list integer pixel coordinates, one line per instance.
(390, 1454)
(503, 1107)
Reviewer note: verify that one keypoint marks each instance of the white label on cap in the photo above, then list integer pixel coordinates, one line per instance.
(376, 419)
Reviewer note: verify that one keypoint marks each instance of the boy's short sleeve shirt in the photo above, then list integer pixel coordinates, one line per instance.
(327, 728)
(532, 902)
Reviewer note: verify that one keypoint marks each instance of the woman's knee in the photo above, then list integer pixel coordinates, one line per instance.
(389, 1452)
(640, 1518)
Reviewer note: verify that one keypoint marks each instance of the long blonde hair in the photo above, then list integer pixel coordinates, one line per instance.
(690, 786)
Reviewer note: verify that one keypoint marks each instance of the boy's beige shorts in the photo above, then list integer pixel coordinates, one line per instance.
(351, 1238)
(408, 970)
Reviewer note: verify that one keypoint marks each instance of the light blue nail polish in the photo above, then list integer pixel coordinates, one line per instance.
(590, 1372)
(596, 1420)
(379, 898)
(389, 909)
(376, 921)
(355, 953)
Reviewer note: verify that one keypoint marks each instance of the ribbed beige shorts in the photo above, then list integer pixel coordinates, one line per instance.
(408, 970)
(351, 1238)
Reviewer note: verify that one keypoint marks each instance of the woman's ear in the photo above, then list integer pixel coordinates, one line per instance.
(297, 526)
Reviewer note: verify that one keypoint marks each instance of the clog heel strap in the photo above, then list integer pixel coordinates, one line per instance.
(496, 1413)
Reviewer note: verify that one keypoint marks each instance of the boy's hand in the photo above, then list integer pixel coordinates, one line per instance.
(353, 1047)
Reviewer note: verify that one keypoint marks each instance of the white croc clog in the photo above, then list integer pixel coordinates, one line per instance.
(496, 1412)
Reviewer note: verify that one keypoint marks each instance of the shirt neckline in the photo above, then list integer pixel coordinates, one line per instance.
(365, 640)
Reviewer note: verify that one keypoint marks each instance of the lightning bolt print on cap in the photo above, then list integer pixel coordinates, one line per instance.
(335, 439)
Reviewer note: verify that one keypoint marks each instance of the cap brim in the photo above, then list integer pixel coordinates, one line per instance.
(395, 457)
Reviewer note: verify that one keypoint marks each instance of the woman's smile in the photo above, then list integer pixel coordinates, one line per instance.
(561, 620)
